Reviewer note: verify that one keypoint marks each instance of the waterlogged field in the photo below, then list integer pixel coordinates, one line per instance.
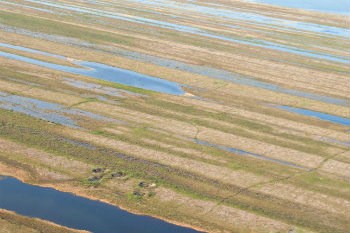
(216, 116)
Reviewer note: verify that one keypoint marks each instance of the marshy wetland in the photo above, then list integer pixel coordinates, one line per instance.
(174, 116)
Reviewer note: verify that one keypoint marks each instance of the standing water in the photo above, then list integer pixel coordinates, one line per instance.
(77, 212)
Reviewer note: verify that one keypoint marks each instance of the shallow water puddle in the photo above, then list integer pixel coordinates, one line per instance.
(223, 13)
(224, 75)
(201, 70)
(253, 18)
(77, 212)
(330, 6)
(35, 108)
(246, 153)
(101, 71)
(334, 141)
(99, 88)
(52, 112)
(29, 50)
(228, 76)
(318, 115)
(29, 7)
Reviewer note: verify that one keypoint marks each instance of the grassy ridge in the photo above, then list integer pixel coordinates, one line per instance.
(194, 184)
(34, 133)
(36, 24)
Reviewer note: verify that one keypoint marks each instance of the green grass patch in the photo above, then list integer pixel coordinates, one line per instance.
(63, 29)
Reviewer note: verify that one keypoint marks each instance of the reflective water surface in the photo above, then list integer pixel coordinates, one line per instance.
(99, 71)
(138, 80)
(330, 6)
(319, 115)
(77, 212)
